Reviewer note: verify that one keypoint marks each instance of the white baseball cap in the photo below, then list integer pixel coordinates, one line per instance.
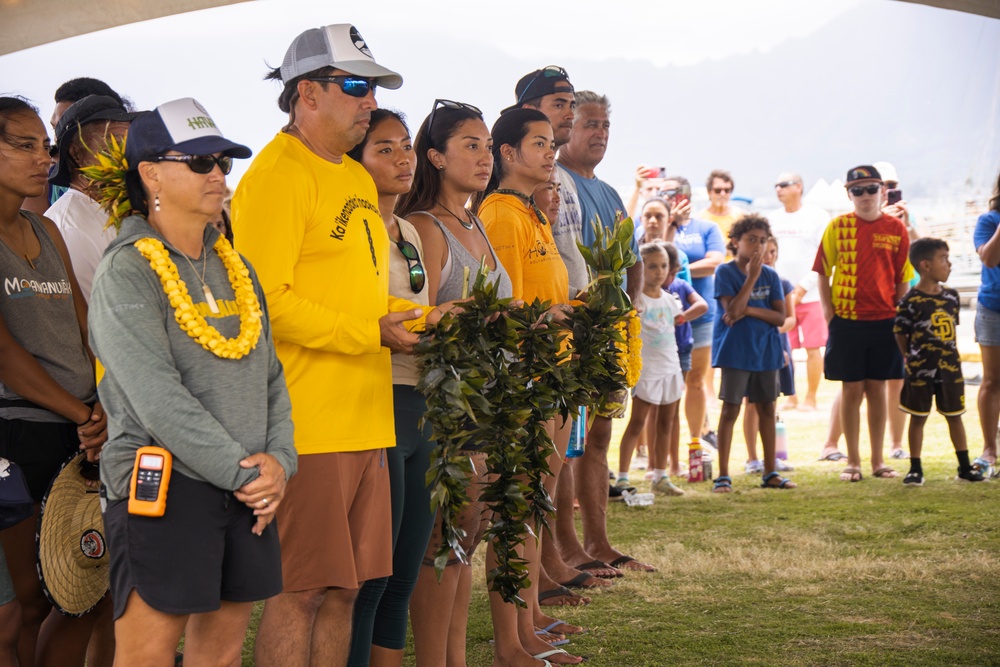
(339, 45)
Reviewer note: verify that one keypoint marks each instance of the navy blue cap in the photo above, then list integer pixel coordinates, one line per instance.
(90, 109)
(181, 125)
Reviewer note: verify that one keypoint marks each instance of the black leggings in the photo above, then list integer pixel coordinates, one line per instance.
(381, 610)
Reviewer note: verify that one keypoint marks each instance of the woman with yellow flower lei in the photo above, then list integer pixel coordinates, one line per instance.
(179, 322)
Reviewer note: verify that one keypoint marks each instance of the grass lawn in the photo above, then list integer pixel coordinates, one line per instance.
(830, 573)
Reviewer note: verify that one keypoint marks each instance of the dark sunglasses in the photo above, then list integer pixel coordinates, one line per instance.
(448, 104)
(53, 151)
(859, 190)
(200, 164)
(355, 86)
(719, 191)
(668, 194)
(416, 269)
(545, 73)
(784, 184)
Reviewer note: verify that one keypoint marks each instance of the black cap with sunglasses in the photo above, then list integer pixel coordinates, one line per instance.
(863, 174)
(184, 126)
(546, 81)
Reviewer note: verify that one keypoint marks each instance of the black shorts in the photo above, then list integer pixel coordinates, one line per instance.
(858, 350)
(200, 552)
(40, 448)
(917, 396)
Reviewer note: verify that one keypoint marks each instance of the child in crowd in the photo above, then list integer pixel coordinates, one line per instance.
(786, 376)
(746, 344)
(694, 307)
(660, 384)
(926, 321)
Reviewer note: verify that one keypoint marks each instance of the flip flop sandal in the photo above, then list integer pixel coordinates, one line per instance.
(723, 484)
(562, 591)
(554, 624)
(851, 475)
(833, 456)
(556, 651)
(622, 560)
(598, 565)
(579, 581)
(885, 472)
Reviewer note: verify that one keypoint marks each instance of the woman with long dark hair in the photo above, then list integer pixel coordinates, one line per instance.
(524, 154)
(48, 397)
(454, 161)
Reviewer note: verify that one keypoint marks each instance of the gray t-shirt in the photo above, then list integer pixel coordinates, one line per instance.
(37, 307)
(162, 387)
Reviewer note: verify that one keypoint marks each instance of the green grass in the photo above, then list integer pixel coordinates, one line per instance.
(827, 574)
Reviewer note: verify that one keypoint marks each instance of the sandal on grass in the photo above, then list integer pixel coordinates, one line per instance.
(551, 629)
(851, 474)
(885, 472)
(723, 485)
(571, 599)
(629, 563)
(557, 651)
(833, 456)
(596, 566)
(768, 482)
(580, 581)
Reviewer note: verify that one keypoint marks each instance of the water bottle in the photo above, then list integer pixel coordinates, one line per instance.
(696, 471)
(780, 440)
(577, 435)
(637, 499)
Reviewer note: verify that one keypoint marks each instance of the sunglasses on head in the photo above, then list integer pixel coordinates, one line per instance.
(784, 184)
(355, 86)
(200, 164)
(416, 269)
(448, 104)
(859, 190)
(545, 73)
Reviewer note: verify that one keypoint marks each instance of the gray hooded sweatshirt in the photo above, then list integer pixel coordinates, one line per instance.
(161, 387)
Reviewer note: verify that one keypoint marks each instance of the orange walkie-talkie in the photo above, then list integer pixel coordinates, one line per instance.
(150, 479)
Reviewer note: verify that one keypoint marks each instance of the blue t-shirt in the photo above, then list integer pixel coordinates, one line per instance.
(598, 199)
(682, 290)
(751, 344)
(697, 238)
(989, 288)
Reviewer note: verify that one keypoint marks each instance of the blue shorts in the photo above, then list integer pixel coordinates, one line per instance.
(987, 326)
(685, 357)
(701, 329)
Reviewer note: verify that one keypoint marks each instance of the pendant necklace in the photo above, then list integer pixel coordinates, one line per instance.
(24, 245)
(468, 225)
(206, 290)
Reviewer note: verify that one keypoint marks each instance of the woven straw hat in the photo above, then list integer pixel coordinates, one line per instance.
(72, 551)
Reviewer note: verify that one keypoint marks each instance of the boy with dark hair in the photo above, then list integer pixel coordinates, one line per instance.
(925, 326)
(746, 345)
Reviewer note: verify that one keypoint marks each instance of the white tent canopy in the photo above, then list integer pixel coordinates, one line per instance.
(28, 23)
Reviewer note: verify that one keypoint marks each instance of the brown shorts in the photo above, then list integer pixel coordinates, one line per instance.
(335, 521)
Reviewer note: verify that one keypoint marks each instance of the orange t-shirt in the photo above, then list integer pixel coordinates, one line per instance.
(867, 261)
(526, 249)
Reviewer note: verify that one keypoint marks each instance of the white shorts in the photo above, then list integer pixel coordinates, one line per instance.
(661, 390)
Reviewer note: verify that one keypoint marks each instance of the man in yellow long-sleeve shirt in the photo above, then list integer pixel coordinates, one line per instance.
(307, 217)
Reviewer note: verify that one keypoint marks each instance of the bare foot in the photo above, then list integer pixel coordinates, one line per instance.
(789, 405)
(808, 406)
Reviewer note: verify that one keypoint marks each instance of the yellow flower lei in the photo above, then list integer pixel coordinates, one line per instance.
(630, 351)
(187, 315)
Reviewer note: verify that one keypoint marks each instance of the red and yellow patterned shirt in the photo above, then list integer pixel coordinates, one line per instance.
(867, 260)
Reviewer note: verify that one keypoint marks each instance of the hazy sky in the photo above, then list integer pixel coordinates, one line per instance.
(444, 48)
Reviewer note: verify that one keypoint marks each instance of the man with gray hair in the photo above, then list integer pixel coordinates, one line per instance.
(587, 477)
